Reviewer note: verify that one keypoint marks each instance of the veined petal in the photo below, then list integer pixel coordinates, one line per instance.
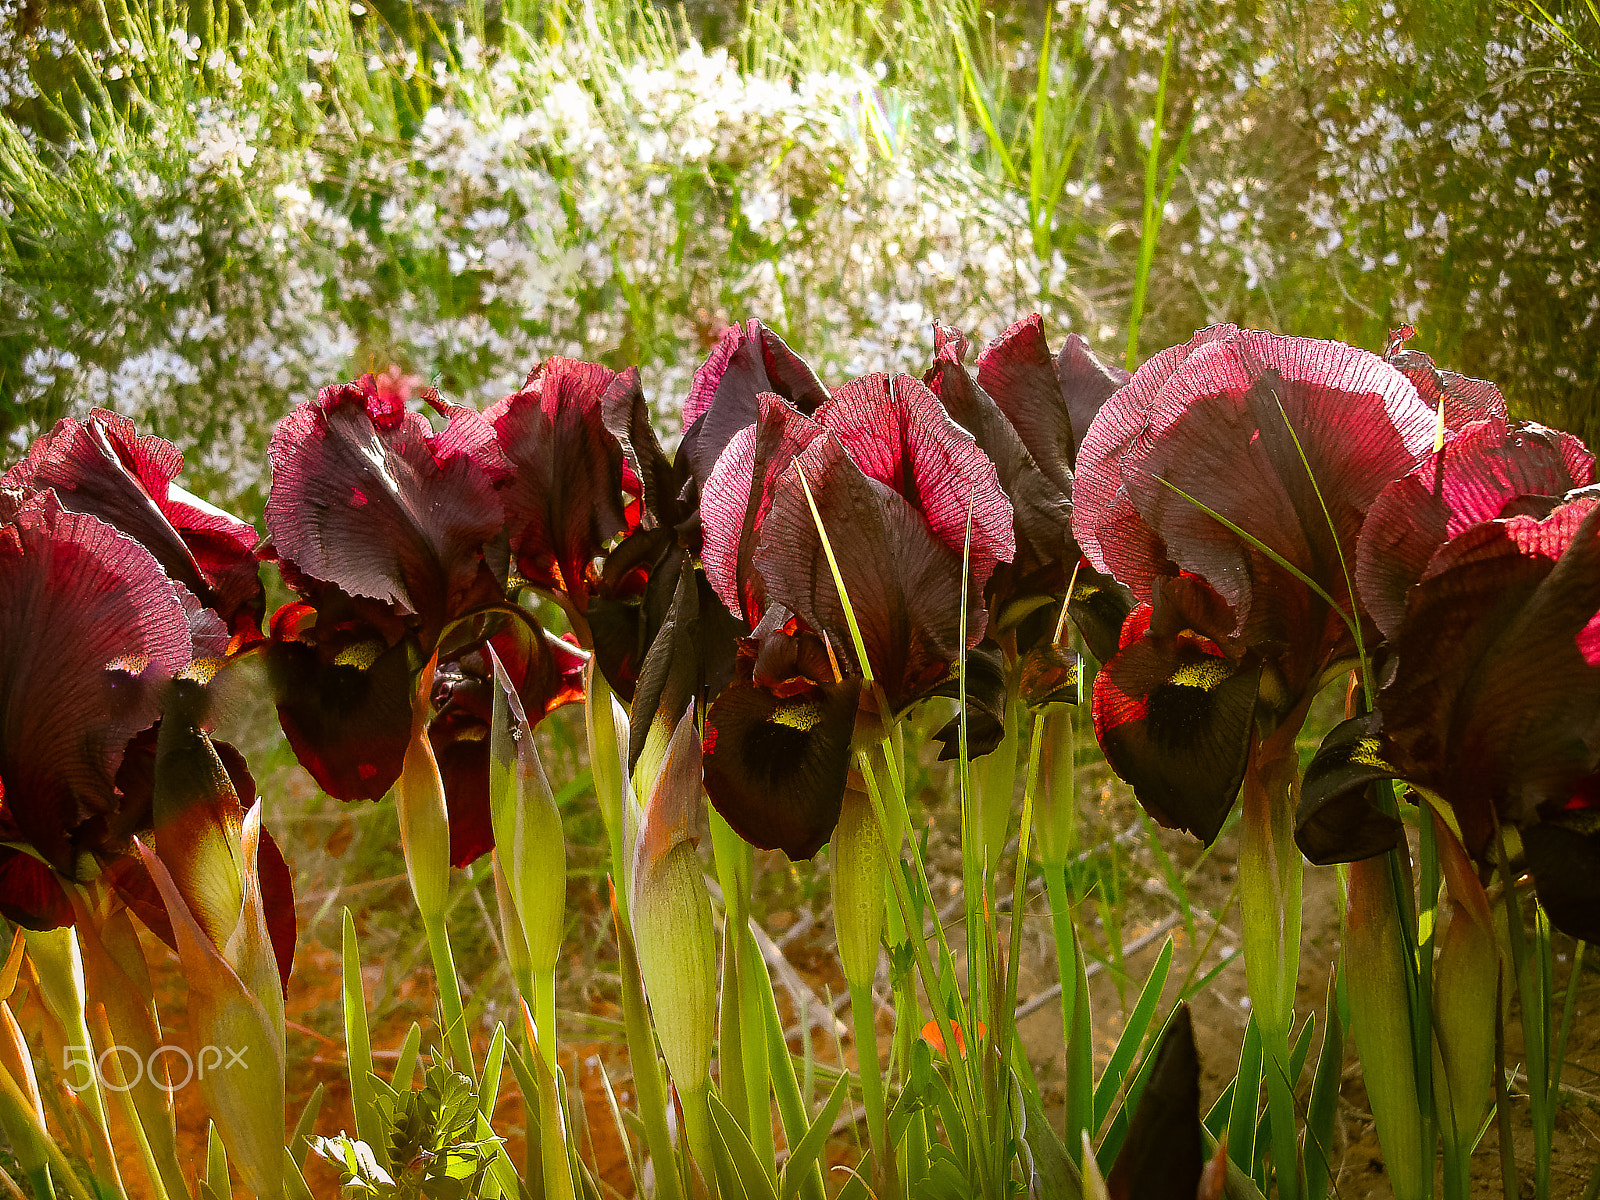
(1465, 399)
(90, 631)
(749, 361)
(737, 494)
(367, 497)
(898, 434)
(103, 468)
(564, 500)
(903, 583)
(1488, 470)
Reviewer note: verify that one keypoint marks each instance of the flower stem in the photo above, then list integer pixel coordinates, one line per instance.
(444, 970)
(870, 1070)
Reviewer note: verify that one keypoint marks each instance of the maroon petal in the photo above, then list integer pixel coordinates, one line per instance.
(775, 766)
(342, 689)
(1489, 470)
(1042, 511)
(366, 496)
(1502, 716)
(898, 434)
(904, 584)
(748, 361)
(737, 495)
(90, 630)
(1465, 400)
(103, 468)
(1174, 718)
(564, 502)
(1050, 401)
(661, 482)
(1565, 861)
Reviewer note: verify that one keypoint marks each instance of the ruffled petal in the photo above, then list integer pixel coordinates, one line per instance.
(367, 497)
(898, 434)
(749, 361)
(1465, 400)
(102, 467)
(1489, 470)
(903, 583)
(564, 500)
(90, 632)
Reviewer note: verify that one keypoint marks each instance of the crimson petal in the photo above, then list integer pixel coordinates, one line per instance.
(1465, 400)
(366, 496)
(904, 583)
(564, 501)
(1489, 470)
(1502, 717)
(737, 494)
(897, 433)
(102, 467)
(90, 629)
(747, 362)
(30, 892)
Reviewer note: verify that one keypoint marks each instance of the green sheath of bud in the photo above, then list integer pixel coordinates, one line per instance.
(671, 910)
(859, 888)
(1380, 1019)
(424, 820)
(527, 825)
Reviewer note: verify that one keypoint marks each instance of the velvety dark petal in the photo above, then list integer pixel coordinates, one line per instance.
(661, 482)
(1565, 861)
(737, 494)
(1042, 512)
(1465, 400)
(1087, 383)
(748, 361)
(1503, 714)
(370, 499)
(1018, 371)
(898, 434)
(1489, 470)
(627, 610)
(1163, 1156)
(775, 767)
(343, 698)
(90, 632)
(1174, 718)
(1338, 819)
(564, 501)
(1098, 607)
(102, 467)
(903, 583)
(670, 675)
(986, 704)
(30, 892)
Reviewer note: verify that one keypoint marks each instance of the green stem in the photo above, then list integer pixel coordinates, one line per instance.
(444, 970)
(696, 1104)
(870, 1070)
(1074, 1012)
(648, 1085)
(544, 1014)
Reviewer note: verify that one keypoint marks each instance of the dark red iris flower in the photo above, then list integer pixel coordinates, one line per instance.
(102, 467)
(1501, 718)
(1028, 410)
(93, 634)
(1287, 439)
(894, 482)
(387, 530)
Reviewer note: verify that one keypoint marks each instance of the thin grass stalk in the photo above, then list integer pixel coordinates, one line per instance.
(60, 1169)
(130, 1112)
(1152, 219)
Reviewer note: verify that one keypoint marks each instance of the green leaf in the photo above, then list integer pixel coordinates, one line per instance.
(405, 1067)
(357, 1042)
(1246, 1095)
(748, 1171)
(299, 1140)
(1133, 1035)
(216, 1181)
(807, 1153)
(489, 1084)
(1323, 1105)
